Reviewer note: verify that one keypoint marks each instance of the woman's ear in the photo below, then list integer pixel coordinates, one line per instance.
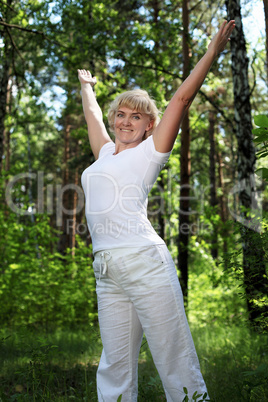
(150, 125)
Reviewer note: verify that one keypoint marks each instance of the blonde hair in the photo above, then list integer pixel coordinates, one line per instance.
(136, 99)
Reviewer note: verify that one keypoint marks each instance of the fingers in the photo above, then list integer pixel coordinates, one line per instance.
(84, 72)
(223, 36)
(86, 77)
(228, 28)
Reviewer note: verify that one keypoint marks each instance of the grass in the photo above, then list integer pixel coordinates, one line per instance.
(234, 362)
(61, 365)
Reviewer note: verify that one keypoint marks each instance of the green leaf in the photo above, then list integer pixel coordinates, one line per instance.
(259, 131)
(262, 154)
(261, 120)
(119, 398)
(261, 138)
(263, 173)
(14, 266)
(262, 369)
(196, 396)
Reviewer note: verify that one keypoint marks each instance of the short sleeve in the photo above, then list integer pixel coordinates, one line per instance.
(152, 154)
(107, 149)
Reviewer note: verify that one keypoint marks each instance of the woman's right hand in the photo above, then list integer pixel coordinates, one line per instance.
(85, 77)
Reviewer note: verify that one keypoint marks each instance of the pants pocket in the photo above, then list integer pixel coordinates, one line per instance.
(100, 268)
(147, 272)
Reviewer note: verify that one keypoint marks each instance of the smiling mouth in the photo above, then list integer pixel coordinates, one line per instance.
(126, 130)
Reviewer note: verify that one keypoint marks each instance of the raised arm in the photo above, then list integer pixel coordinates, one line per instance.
(166, 132)
(97, 132)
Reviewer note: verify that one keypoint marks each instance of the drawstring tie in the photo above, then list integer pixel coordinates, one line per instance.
(105, 256)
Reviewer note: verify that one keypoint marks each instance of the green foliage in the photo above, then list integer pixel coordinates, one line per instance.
(39, 286)
(214, 296)
(261, 139)
(225, 354)
(195, 397)
(233, 268)
(54, 366)
(61, 365)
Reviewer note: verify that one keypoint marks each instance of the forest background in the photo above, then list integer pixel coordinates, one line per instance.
(209, 204)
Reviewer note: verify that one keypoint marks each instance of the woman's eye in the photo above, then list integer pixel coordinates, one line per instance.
(136, 117)
(119, 115)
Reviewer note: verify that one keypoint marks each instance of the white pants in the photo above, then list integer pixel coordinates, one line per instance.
(138, 291)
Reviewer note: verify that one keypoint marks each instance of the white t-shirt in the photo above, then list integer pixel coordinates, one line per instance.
(116, 189)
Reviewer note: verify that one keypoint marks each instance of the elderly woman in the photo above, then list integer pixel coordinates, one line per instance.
(136, 281)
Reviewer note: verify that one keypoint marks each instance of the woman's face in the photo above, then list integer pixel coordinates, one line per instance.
(130, 125)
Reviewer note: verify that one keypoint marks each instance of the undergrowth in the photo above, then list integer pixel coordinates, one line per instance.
(61, 365)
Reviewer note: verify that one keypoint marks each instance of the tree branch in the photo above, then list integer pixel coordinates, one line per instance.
(8, 5)
(194, 6)
(20, 28)
(32, 31)
(226, 119)
(162, 70)
(215, 106)
(14, 44)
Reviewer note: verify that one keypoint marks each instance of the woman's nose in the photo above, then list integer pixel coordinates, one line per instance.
(126, 121)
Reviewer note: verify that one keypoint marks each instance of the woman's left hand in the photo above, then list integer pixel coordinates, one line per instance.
(220, 40)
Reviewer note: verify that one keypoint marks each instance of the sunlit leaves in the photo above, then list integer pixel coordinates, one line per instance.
(261, 138)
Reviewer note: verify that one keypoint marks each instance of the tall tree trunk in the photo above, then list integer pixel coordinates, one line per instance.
(75, 205)
(265, 7)
(255, 281)
(6, 134)
(64, 240)
(156, 5)
(185, 167)
(222, 203)
(75, 201)
(212, 176)
(161, 213)
(4, 77)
